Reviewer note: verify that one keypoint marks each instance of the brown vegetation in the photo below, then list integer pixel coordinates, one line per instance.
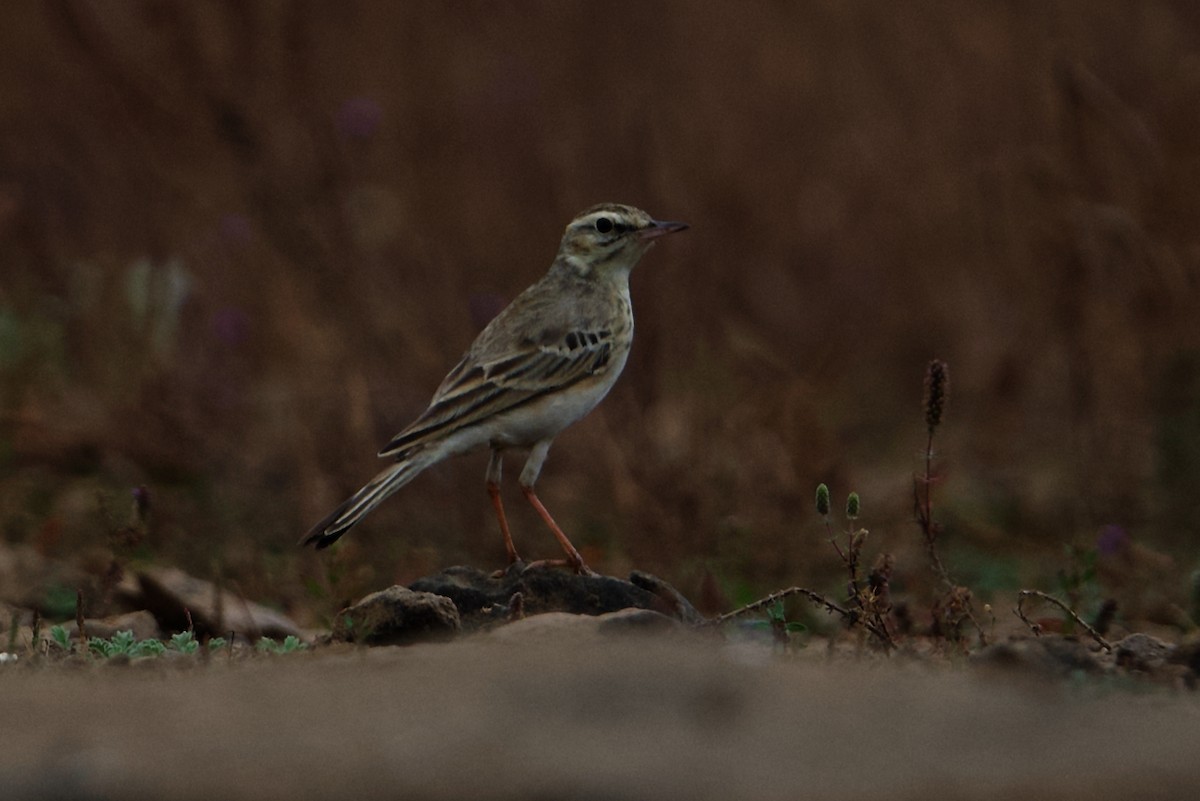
(242, 242)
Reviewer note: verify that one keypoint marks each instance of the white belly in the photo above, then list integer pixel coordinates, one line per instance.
(545, 417)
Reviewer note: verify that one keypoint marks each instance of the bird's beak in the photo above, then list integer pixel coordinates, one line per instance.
(658, 228)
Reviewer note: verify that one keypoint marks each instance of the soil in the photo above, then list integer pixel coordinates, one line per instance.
(556, 706)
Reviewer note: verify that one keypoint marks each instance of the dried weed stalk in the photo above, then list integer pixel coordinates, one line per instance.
(954, 608)
(849, 616)
(869, 601)
(1019, 611)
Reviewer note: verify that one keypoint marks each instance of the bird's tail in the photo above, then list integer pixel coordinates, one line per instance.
(360, 504)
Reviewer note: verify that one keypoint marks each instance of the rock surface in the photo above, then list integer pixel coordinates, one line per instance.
(1142, 652)
(167, 592)
(397, 616)
(484, 599)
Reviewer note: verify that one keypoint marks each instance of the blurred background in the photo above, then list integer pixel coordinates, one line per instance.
(241, 243)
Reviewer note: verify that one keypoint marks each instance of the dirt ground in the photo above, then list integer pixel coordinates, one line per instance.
(528, 713)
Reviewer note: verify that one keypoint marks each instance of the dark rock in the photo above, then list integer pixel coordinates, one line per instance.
(683, 609)
(397, 616)
(167, 592)
(484, 599)
(1142, 652)
(477, 596)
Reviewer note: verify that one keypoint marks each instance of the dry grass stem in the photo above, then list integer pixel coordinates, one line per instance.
(851, 617)
(1024, 595)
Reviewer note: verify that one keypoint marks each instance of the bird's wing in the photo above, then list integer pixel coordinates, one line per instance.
(484, 384)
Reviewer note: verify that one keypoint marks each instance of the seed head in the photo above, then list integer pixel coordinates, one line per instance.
(822, 500)
(937, 388)
(852, 504)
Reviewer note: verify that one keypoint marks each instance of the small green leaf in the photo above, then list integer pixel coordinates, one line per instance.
(60, 637)
(184, 642)
(123, 642)
(292, 643)
(148, 648)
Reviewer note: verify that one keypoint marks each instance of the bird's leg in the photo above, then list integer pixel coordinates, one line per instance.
(573, 560)
(498, 505)
(529, 474)
(493, 488)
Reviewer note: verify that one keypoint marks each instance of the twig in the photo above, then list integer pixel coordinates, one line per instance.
(14, 627)
(1023, 595)
(924, 512)
(83, 638)
(818, 599)
(937, 390)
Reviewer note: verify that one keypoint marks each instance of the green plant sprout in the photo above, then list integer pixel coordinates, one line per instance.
(125, 643)
(60, 637)
(290, 644)
(184, 642)
(869, 599)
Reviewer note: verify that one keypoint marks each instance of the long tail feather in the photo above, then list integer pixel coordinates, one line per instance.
(360, 504)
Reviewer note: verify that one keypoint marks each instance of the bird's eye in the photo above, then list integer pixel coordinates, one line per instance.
(604, 225)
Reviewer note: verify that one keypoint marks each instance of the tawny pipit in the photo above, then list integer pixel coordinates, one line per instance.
(542, 364)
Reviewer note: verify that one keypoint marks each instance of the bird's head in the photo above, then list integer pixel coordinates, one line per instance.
(610, 238)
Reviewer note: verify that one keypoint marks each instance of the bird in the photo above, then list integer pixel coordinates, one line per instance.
(540, 365)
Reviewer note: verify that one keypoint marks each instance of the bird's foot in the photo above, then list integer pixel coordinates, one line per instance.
(516, 567)
(579, 568)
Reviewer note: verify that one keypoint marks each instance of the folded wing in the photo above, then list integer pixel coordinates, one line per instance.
(478, 388)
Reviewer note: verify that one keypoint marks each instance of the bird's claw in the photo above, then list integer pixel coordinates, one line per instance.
(579, 568)
(515, 566)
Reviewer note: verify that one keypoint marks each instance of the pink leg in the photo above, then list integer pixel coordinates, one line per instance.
(494, 491)
(574, 560)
